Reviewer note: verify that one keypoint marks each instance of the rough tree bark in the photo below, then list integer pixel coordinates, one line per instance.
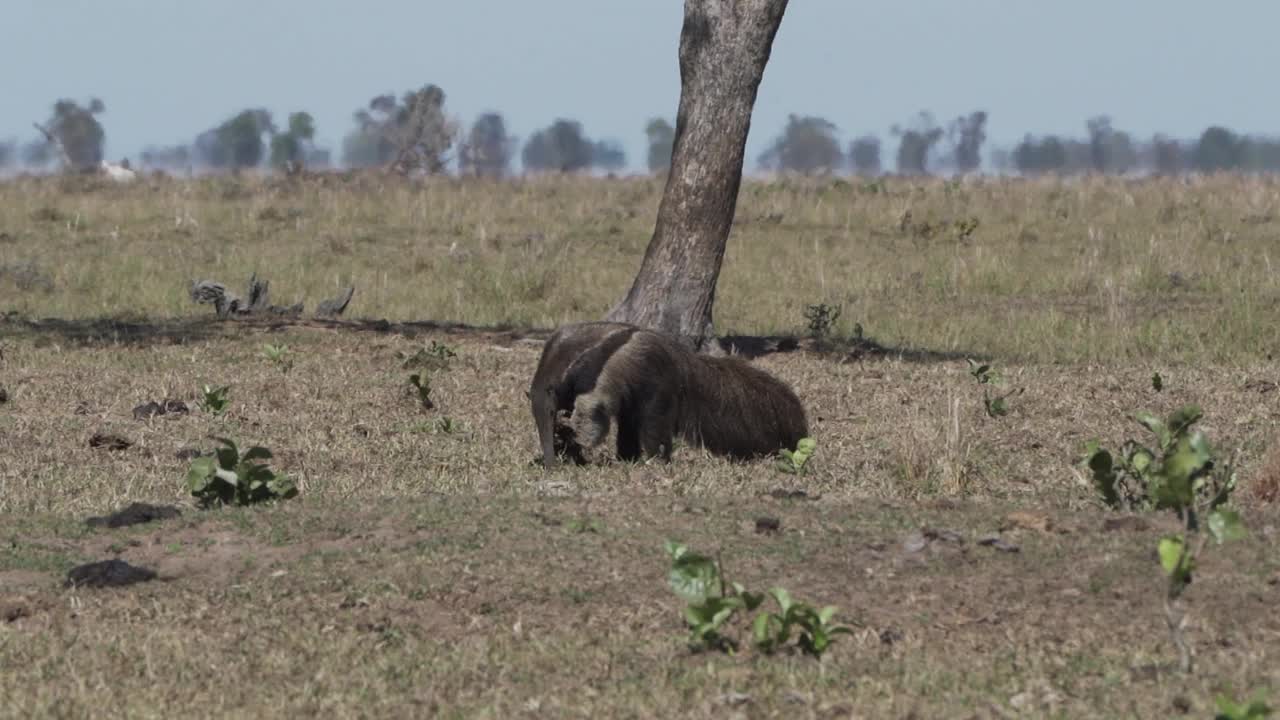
(724, 47)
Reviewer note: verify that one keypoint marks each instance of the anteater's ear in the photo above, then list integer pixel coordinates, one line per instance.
(528, 395)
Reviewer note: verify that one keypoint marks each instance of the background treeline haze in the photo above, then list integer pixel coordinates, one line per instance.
(415, 132)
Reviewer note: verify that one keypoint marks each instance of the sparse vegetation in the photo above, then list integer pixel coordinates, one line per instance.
(434, 357)
(279, 356)
(1255, 709)
(815, 631)
(713, 602)
(421, 382)
(214, 400)
(228, 478)
(821, 319)
(419, 553)
(1183, 475)
(1179, 469)
(988, 376)
(795, 461)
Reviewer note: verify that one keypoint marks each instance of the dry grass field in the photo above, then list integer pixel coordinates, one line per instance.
(428, 568)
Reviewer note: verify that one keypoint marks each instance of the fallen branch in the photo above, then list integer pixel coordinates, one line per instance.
(333, 307)
(257, 300)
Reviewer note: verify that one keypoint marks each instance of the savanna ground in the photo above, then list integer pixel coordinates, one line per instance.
(427, 568)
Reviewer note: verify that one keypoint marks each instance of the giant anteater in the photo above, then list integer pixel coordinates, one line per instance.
(656, 389)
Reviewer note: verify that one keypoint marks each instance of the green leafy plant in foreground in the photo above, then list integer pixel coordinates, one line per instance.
(795, 461)
(1180, 474)
(713, 602)
(772, 630)
(1256, 709)
(987, 376)
(214, 400)
(422, 383)
(279, 356)
(697, 579)
(229, 478)
(435, 356)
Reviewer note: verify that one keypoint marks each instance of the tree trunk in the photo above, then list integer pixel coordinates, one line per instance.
(724, 47)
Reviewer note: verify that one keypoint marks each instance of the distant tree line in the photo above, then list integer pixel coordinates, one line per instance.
(415, 133)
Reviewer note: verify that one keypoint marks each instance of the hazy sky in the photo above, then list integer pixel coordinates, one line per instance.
(168, 69)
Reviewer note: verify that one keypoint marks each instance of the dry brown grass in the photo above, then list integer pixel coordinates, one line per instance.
(1264, 483)
(1097, 270)
(431, 573)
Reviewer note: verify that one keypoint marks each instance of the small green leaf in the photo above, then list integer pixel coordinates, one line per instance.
(762, 629)
(1141, 459)
(282, 487)
(675, 549)
(1186, 460)
(997, 407)
(256, 472)
(1226, 525)
(1171, 548)
(782, 597)
(198, 476)
(1157, 382)
(1100, 462)
(1175, 560)
(256, 453)
(697, 615)
(1104, 477)
(825, 615)
(1153, 423)
(1184, 418)
(227, 457)
(694, 577)
(227, 476)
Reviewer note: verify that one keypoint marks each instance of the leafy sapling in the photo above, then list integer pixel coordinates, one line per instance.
(1142, 477)
(422, 383)
(279, 356)
(434, 357)
(1180, 474)
(214, 400)
(772, 630)
(229, 478)
(987, 376)
(711, 601)
(796, 461)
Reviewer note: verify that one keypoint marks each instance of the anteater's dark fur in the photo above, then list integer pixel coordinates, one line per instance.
(656, 390)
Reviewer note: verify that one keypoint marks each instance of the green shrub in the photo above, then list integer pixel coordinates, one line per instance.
(229, 478)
